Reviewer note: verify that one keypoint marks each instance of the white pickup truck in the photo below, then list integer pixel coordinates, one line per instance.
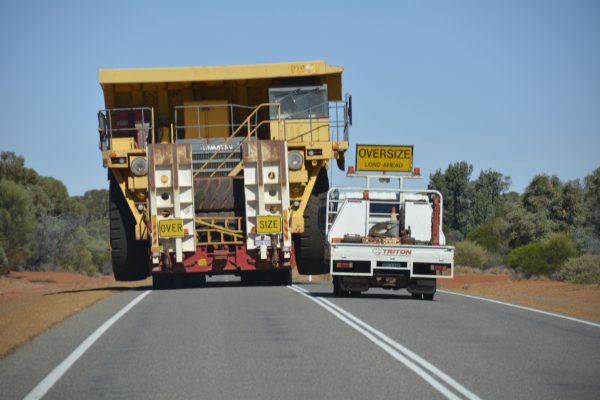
(387, 238)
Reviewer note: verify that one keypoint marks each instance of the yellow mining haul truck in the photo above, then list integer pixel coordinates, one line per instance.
(221, 170)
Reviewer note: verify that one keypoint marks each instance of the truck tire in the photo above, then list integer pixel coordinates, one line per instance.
(129, 256)
(309, 245)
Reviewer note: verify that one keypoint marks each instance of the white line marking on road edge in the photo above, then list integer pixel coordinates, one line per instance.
(46, 384)
(407, 357)
(581, 321)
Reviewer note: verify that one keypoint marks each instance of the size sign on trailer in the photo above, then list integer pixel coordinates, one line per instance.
(384, 158)
(268, 224)
(170, 228)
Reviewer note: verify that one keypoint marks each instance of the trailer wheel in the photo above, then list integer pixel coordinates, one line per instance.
(129, 256)
(416, 296)
(248, 278)
(309, 245)
(285, 277)
(428, 297)
(160, 282)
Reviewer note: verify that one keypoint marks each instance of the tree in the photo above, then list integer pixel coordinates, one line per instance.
(12, 167)
(17, 222)
(467, 203)
(540, 193)
(570, 204)
(50, 196)
(519, 226)
(591, 198)
(455, 186)
(489, 236)
(560, 203)
(488, 191)
(94, 203)
(41, 227)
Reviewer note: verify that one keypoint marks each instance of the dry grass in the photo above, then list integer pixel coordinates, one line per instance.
(31, 302)
(577, 300)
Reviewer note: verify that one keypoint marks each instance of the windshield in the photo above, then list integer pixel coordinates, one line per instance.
(300, 102)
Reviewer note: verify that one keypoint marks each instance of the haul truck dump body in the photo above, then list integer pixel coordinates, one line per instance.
(221, 169)
(388, 238)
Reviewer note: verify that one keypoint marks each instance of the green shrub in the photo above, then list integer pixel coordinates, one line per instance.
(469, 254)
(495, 260)
(542, 258)
(529, 259)
(486, 235)
(584, 269)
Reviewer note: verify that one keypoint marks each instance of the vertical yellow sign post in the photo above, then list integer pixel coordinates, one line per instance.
(386, 158)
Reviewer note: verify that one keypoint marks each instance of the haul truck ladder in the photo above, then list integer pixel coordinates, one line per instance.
(251, 130)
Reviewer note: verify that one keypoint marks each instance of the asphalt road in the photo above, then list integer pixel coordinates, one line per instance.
(226, 341)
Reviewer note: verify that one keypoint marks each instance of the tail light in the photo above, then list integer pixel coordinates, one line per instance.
(344, 264)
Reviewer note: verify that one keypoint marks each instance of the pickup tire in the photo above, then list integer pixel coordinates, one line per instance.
(337, 290)
(129, 256)
(309, 245)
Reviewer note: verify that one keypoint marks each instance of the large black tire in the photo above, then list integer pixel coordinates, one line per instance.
(309, 245)
(129, 256)
(337, 290)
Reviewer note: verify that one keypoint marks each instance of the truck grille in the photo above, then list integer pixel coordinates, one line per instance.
(203, 149)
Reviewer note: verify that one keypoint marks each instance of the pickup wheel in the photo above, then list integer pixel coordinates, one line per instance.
(129, 256)
(309, 245)
(416, 296)
(428, 297)
(248, 278)
(337, 291)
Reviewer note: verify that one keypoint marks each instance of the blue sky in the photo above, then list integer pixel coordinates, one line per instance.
(509, 85)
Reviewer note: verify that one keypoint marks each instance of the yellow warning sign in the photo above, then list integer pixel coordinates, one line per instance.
(384, 158)
(268, 224)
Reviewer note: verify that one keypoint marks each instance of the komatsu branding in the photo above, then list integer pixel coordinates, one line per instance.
(215, 147)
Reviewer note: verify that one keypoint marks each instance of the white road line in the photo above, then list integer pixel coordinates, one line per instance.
(46, 384)
(407, 357)
(581, 321)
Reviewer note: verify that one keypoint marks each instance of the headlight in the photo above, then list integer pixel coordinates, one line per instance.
(139, 166)
(295, 160)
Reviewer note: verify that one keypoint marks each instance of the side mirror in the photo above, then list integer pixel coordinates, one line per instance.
(350, 109)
